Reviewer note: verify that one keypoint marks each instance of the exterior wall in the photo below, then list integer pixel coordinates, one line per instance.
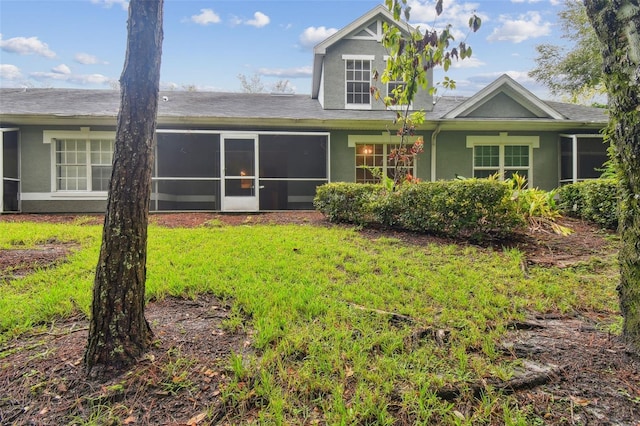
(343, 157)
(453, 157)
(64, 206)
(36, 160)
(334, 86)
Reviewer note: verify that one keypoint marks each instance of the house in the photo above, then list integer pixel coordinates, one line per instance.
(264, 152)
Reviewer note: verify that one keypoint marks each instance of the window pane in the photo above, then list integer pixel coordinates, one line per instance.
(484, 173)
(487, 156)
(100, 176)
(358, 77)
(516, 156)
(101, 152)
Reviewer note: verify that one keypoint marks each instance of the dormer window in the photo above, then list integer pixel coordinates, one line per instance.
(358, 81)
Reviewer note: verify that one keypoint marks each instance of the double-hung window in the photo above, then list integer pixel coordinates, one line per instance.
(83, 164)
(372, 159)
(358, 81)
(503, 155)
(81, 160)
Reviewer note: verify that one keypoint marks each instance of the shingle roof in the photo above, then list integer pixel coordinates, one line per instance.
(222, 105)
(179, 104)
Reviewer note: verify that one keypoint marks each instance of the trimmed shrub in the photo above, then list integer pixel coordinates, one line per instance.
(477, 209)
(593, 200)
(473, 208)
(348, 202)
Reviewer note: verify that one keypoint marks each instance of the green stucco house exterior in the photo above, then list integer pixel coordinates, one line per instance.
(268, 152)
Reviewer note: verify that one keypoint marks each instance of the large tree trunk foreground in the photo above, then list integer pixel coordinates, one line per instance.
(119, 333)
(617, 24)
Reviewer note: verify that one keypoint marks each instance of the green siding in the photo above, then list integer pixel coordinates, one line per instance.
(453, 157)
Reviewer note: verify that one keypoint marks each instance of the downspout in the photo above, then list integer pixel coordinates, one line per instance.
(434, 135)
(574, 158)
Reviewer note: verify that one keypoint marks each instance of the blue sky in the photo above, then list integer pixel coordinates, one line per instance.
(81, 43)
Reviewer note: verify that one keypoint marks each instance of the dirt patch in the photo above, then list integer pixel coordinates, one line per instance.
(582, 375)
(43, 383)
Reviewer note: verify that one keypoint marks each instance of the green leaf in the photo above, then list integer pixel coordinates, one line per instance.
(475, 22)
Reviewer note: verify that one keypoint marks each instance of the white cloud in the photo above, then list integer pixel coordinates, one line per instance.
(10, 72)
(314, 35)
(108, 3)
(26, 46)
(259, 20)
(423, 15)
(527, 26)
(206, 17)
(471, 62)
(87, 59)
(79, 79)
(296, 72)
(61, 69)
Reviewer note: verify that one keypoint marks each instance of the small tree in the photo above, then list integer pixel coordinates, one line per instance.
(575, 72)
(410, 59)
(118, 330)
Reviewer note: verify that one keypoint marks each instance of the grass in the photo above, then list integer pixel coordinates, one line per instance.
(318, 301)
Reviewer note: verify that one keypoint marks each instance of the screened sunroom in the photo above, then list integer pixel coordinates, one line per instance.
(238, 171)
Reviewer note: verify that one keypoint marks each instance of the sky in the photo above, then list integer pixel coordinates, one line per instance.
(209, 43)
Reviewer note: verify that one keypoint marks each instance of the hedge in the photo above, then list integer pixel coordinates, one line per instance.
(474, 208)
(593, 200)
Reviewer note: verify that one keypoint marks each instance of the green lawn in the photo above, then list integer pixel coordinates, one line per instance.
(315, 299)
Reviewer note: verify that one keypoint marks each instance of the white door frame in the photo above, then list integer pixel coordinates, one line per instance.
(240, 203)
(2, 177)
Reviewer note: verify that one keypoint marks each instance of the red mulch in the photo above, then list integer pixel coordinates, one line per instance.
(588, 376)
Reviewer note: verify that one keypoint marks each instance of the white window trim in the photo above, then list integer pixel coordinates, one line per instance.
(346, 58)
(501, 140)
(50, 136)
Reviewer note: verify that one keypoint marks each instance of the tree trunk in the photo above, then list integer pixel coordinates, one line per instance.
(118, 332)
(617, 24)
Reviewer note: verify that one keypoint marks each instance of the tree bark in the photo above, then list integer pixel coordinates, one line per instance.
(617, 24)
(118, 332)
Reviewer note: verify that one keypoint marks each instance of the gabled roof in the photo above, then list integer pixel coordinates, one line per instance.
(505, 88)
(320, 49)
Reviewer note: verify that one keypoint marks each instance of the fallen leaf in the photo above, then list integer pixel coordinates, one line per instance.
(196, 419)
(580, 401)
(129, 420)
(349, 372)
(458, 414)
